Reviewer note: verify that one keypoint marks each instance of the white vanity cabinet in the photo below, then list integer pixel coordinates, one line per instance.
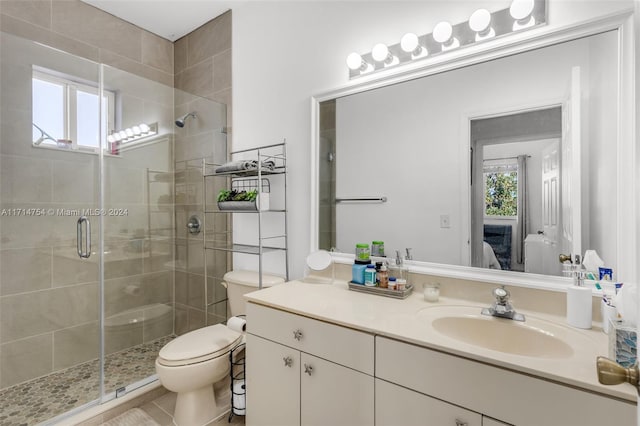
(396, 406)
(306, 372)
(497, 393)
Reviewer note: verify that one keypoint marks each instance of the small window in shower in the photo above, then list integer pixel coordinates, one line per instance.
(66, 112)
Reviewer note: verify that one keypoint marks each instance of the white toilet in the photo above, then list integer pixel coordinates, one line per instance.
(197, 363)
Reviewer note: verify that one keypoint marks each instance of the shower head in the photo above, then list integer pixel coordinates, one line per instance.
(180, 121)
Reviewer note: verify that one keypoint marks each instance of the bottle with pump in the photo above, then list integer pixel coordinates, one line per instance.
(579, 299)
(397, 268)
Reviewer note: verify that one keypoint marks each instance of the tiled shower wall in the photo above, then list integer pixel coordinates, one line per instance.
(202, 68)
(48, 298)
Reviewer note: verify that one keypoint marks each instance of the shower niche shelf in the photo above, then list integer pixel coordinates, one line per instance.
(261, 169)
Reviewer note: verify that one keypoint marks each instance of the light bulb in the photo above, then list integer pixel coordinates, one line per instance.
(129, 132)
(380, 52)
(144, 128)
(111, 138)
(123, 134)
(354, 61)
(442, 32)
(480, 20)
(521, 9)
(136, 130)
(117, 137)
(409, 42)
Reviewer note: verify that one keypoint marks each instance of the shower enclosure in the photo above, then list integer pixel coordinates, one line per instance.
(97, 268)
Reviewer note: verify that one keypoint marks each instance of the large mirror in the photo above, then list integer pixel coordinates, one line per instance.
(504, 164)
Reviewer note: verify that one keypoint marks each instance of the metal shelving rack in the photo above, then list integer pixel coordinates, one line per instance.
(258, 178)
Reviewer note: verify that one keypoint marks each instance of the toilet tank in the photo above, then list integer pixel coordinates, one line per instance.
(239, 283)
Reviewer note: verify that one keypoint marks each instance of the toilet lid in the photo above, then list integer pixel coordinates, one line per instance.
(199, 345)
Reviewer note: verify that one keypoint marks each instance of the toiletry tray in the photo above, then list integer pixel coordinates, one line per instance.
(396, 294)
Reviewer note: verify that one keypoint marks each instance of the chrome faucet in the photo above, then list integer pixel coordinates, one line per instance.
(409, 256)
(501, 307)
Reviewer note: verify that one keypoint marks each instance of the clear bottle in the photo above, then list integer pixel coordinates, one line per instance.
(397, 268)
(383, 276)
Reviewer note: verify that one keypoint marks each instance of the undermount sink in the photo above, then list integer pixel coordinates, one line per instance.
(533, 338)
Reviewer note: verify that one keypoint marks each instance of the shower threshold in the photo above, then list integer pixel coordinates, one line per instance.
(38, 400)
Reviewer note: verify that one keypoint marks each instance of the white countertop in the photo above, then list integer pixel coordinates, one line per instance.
(400, 319)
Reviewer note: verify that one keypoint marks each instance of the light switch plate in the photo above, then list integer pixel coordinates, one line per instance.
(444, 221)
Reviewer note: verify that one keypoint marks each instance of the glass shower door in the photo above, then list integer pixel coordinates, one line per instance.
(138, 228)
(49, 175)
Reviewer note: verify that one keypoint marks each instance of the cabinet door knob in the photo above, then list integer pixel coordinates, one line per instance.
(461, 423)
(288, 361)
(297, 334)
(308, 369)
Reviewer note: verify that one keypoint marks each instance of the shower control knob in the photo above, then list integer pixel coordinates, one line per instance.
(461, 423)
(288, 361)
(297, 334)
(308, 369)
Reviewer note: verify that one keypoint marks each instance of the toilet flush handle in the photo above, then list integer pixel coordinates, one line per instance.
(297, 334)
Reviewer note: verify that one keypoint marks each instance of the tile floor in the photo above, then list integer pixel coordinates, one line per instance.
(37, 400)
(161, 410)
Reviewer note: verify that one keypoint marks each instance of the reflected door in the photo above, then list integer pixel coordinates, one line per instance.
(571, 196)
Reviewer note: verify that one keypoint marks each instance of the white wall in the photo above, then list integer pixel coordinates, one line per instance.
(284, 52)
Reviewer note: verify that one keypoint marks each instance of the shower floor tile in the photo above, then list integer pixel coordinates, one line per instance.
(37, 400)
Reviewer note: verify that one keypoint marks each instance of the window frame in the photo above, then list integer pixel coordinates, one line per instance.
(70, 90)
(507, 162)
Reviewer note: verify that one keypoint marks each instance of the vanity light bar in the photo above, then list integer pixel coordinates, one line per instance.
(133, 133)
(481, 26)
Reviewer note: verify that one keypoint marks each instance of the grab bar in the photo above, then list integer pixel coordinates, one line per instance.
(87, 238)
(382, 199)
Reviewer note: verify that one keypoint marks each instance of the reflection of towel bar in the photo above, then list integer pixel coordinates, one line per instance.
(362, 200)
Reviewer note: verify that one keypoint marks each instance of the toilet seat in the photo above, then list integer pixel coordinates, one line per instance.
(199, 345)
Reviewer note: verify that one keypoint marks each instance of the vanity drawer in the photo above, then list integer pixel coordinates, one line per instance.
(515, 398)
(345, 346)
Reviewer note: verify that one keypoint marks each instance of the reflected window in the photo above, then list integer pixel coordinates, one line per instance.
(500, 188)
(66, 112)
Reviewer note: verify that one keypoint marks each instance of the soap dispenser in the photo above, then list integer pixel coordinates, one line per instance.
(579, 299)
(397, 268)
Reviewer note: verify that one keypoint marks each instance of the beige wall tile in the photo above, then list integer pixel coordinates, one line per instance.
(25, 359)
(25, 180)
(157, 52)
(75, 345)
(76, 181)
(197, 319)
(29, 314)
(156, 326)
(210, 39)
(68, 268)
(180, 53)
(37, 12)
(119, 61)
(159, 255)
(197, 79)
(181, 287)
(81, 21)
(42, 35)
(24, 270)
(157, 287)
(181, 324)
(195, 291)
(122, 294)
(222, 71)
(122, 337)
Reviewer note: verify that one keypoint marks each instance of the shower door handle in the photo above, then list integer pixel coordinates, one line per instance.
(86, 244)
